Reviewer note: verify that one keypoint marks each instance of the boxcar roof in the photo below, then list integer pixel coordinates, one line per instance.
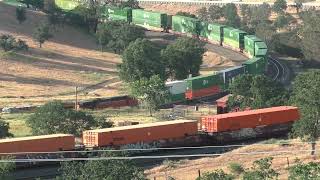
(34, 137)
(141, 126)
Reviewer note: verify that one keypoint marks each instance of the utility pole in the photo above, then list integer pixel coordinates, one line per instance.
(76, 102)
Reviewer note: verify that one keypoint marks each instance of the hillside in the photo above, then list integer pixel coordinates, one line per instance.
(71, 58)
(188, 169)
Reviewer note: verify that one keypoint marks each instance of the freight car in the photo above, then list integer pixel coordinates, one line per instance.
(112, 102)
(146, 133)
(268, 122)
(45, 143)
(249, 119)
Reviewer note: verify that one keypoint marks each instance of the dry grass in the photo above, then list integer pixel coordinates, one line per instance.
(189, 169)
(71, 58)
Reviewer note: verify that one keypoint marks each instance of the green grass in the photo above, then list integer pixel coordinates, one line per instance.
(17, 123)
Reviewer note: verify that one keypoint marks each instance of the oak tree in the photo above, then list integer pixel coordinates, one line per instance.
(183, 57)
(306, 96)
(141, 59)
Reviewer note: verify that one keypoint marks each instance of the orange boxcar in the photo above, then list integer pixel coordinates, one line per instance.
(46, 143)
(249, 119)
(139, 133)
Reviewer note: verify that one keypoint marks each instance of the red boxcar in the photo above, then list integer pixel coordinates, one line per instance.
(194, 94)
(46, 143)
(249, 119)
(139, 133)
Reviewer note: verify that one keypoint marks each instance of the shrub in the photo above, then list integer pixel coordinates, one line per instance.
(236, 168)
(8, 43)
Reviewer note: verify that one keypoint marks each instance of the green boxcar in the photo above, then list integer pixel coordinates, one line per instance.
(149, 19)
(177, 97)
(233, 37)
(67, 4)
(216, 32)
(260, 49)
(115, 13)
(185, 25)
(201, 82)
(250, 44)
(255, 65)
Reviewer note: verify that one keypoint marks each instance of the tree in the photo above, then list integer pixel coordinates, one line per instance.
(104, 169)
(21, 14)
(54, 118)
(215, 12)
(256, 92)
(261, 170)
(7, 42)
(187, 14)
(117, 35)
(141, 59)
(231, 15)
(183, 57)
(281, 21)
(266, 32)
(309, 171)
(130, 3)
(216, 175)
(4, 129)
(6, 167)
(42, 33)
(306, 96)
(89, 10)
(279, 6)
(309, 34)
(259, 14)
(203, 14)
(152, 93)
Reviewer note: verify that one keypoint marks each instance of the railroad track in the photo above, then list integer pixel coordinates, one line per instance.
(281, 72)
(237, 2)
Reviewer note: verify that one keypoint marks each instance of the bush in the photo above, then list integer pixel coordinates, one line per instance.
(21, 45)
(4, 129)
(236, 168)
(216, 175)
(53, 118)
(8, 43)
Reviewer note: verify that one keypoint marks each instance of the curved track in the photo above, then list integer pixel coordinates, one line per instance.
(281, 70)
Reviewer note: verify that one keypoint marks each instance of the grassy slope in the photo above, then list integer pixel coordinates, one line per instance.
(71, 58)
(188, 169)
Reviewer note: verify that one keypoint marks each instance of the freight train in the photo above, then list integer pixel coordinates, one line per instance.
(202, 86)
(268, 122)
(206, 85)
